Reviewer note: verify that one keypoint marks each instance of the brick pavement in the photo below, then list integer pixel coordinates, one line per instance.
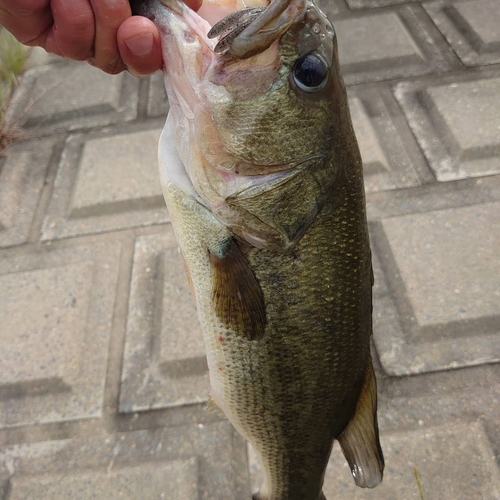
(103, 376)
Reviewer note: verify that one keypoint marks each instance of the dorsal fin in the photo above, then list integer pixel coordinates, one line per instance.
(236, 293)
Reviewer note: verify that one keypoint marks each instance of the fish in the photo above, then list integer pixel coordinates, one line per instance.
(263, 180)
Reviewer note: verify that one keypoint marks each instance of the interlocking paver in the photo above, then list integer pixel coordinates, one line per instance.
(38, 57)
(329, 7)
(57, 309)
(456, 122)
(386, 162)
(181, 463)
(106, 183)
(22, 175)
(72, 96)
(441, 268)
(175, 480)
(374, 159)
(471, 28)
(391, 44)
(164, 359)
(368, 4)
(427, 454)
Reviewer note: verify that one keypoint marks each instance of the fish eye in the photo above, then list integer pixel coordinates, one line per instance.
(310, 72)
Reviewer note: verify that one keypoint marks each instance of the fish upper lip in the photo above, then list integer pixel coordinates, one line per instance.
(188, 15)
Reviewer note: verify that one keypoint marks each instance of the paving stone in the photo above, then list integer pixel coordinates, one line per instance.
(440, 306)
(388, 45)
(370, 4)
(48, 375)
(386, 163)
(451, 462)
(70, 96)
(149, 481)
(433, 196)
(374, 159)
(22, 175)
(106, 183)
(157, 96)
(39, 57)
(164, 362)
(181, 463)
(329, 7)
(471, 28)
(457, 123)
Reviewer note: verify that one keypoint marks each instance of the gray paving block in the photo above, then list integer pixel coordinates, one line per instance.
(148, 481)
(69, 96)
(471, 28)
(329, 7)
(164, 361)
(386, 162)
(374, 159)
(56, 310)
(370, 4)
(440, 306)
(390, 44)
(456, 121)
(451, 462)
(157, 96)
(106, 183)
(39, 57)
(22, 175)
(433, 196)
(180, 463)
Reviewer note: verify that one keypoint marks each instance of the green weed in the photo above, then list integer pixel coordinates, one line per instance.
(419, 484)
(13, 58)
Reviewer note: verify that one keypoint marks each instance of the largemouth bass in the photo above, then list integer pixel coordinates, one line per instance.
(264, 186)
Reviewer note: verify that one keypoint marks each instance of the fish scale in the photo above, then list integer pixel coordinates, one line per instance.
(280, 266)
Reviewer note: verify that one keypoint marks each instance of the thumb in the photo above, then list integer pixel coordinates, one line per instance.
(139, 45)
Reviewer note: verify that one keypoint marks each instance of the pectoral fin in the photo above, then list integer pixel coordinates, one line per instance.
(236, 293)
(360, 440)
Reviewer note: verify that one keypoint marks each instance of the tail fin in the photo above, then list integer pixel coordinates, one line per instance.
(360, 440)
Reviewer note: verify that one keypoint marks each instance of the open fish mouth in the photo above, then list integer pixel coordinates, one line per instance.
(243, 32)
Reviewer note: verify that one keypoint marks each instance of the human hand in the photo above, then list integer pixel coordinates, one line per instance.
(102, 32)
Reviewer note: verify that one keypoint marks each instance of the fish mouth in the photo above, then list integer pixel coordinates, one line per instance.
(243, 31)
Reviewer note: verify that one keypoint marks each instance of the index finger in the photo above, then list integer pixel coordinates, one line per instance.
(73, 29)
(27, 20)
(109, 15)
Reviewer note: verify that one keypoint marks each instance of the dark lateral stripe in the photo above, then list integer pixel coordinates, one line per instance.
(237, 295)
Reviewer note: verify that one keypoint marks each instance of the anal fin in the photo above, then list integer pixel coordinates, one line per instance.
(236, 293)
(360, 440)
